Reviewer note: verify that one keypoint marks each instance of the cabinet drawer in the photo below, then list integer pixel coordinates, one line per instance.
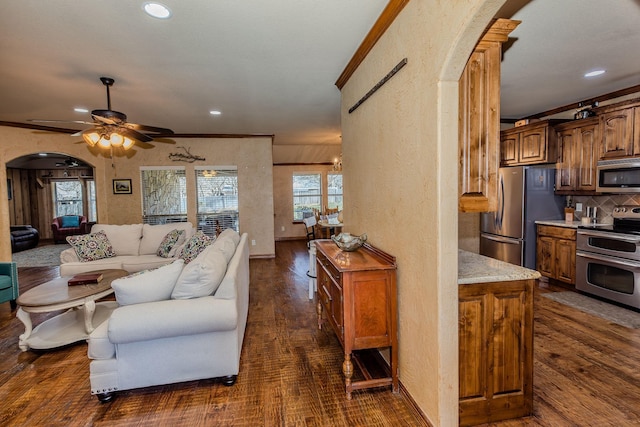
(331, 270)
(559, 232)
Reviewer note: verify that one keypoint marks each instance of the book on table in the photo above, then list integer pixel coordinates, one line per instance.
(85, 278)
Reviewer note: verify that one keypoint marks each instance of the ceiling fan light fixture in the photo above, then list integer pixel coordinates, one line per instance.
(157, 10)
(116, 140)
(91, 138)
(128, 143)
(104, 142)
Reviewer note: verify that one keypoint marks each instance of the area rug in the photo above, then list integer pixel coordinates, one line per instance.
(610, 312)
(42, 256)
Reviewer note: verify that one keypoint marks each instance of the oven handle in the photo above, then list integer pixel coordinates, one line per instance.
(609, 259)
(612, 236)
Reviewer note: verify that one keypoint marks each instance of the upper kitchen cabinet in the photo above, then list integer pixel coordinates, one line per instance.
(479, 121)
(530, 144)
(620, 126)
(578, 152)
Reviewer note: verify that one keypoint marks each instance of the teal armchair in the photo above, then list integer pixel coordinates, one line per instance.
(9, 283)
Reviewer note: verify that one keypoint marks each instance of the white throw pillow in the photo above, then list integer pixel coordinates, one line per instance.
(124, 238)
(202, 276)
(147, 286)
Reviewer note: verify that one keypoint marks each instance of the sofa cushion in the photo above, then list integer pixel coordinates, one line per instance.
(99, 345)
(144, 262)
(196, 244)
(147, 286)
(202, 276)
(68, 221)
(152, 235)
(170, 243)
(91, 247)
(124, 238)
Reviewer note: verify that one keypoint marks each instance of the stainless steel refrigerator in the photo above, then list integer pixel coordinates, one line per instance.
(525, 195)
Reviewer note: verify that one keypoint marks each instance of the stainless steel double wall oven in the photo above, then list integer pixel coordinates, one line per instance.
(608, 258)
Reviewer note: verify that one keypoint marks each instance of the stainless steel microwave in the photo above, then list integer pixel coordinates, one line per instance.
(618, 176)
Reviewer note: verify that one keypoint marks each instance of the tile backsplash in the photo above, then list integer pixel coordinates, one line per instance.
(605, 204)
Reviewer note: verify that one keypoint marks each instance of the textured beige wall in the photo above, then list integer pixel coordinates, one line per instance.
(252, 156)
(283, 198)
(401, 170)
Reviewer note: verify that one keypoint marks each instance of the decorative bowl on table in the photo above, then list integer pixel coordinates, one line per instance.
(349, 243)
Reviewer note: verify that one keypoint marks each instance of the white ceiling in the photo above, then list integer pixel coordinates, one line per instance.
(270, 66)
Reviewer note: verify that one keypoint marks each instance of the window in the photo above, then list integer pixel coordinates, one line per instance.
(217, 192)
(334, 191)
(92, 215)
(307, 194)
(67, 197)
(164, 195)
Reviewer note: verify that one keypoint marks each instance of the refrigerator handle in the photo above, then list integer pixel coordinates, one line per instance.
(500, 213)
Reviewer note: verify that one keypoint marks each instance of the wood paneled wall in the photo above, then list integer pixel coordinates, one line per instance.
(31, 199)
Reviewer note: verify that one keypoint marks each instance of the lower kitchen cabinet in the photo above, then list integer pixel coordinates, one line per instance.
(495, 332)
(556, 253)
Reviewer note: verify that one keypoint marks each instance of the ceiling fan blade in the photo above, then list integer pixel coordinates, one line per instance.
(81, 122)
(133, 134)
(146, 128)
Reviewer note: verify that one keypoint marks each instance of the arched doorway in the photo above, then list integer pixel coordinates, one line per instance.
(44, 185)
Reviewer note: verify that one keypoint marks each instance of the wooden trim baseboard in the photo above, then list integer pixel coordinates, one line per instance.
(386, 18)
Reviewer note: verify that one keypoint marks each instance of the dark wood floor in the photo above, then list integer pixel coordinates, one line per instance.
(587, 371)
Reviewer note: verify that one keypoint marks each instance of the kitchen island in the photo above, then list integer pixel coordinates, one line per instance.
(495, 333)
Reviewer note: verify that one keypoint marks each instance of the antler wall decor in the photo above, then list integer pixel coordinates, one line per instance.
(188, 157)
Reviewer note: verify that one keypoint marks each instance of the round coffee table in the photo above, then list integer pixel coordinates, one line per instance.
(74, 324)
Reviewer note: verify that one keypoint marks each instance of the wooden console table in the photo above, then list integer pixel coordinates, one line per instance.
(357, 291)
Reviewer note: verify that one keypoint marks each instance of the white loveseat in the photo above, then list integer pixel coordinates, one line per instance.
(135, 246)
(173, 340)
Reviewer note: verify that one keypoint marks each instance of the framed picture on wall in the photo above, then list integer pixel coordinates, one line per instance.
(121, 186)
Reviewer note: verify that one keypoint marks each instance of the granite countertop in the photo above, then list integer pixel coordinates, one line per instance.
(475, 268)
(559, 223)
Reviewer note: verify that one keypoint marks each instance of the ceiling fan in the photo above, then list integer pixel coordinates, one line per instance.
(111, 129)
(68, 163)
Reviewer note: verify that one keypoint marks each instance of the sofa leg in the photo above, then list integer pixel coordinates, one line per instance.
(105, 397)
(229, 380)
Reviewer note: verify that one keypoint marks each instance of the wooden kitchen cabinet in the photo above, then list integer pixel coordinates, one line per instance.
(578, 151)
(620, 132)
(479, 121)
(556, 253)
(357, 294)
(495, 333)
(530, 144)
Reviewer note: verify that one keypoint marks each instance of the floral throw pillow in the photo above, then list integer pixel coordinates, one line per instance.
(91, 247)
(196, 244)
(168, 243)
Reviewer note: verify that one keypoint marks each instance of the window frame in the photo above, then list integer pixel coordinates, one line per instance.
(207, 216)
(294, 196)
(165, 217)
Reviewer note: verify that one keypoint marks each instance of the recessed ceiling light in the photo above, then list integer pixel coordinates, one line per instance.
(594, 73)
(43, 154)
(80, 110)
(157, 10)
(215, 112)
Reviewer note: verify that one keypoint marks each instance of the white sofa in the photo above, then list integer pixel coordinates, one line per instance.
(173, 340)
(135, 246)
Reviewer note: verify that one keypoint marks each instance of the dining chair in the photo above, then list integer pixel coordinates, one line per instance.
(310, 226)
(9, 283)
